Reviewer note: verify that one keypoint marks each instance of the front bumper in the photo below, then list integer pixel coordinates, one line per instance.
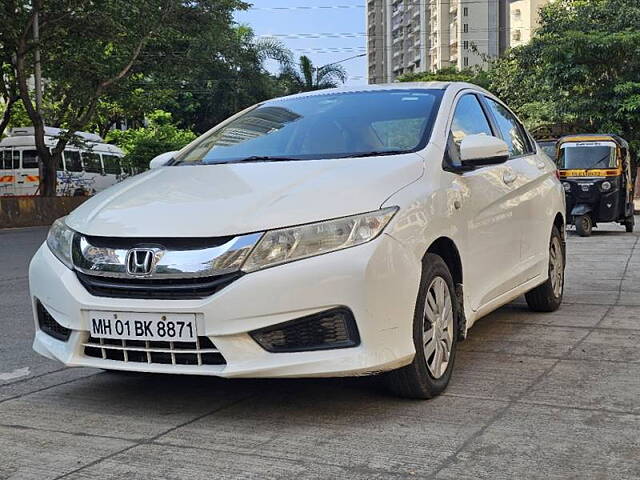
(377, 281)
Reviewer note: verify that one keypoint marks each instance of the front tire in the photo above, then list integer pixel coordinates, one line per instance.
(629, 223)
(584, 225)
(548, 296)
(435, 335)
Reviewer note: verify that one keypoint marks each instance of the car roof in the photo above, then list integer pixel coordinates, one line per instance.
(386, 86)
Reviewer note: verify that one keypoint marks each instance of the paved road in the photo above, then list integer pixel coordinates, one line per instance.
(548, 396)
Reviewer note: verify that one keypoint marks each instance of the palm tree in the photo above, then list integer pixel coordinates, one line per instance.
(308, 77)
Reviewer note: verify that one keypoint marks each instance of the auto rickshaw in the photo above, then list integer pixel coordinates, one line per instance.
(598, 178)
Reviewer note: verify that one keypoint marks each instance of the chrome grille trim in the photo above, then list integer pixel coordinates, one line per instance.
(107, 257)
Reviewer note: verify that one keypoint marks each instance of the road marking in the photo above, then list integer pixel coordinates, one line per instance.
(19, 373)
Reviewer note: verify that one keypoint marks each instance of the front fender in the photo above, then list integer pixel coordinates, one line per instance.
(581, 209)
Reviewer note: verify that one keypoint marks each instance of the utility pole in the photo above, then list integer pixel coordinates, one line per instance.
(37, 68)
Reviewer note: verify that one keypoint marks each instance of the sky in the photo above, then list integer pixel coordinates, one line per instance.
(324, 30)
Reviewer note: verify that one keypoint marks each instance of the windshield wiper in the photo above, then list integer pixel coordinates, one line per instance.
(375, 153)
(595, 164)
(263, 158)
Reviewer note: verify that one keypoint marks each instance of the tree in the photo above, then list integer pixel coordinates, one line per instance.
(308, 77)
(91, 48)
(143, 144)
(450, 74)
(582, 68)
(210, 88)
(8, 84)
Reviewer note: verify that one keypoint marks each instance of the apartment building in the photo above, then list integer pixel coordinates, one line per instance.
(406, 36)
(524, 18)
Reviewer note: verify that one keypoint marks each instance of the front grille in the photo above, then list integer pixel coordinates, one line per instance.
(335, 328)
(200, 352)
(165, 289)
(49, 325)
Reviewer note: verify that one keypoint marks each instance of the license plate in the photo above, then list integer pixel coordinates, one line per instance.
(176, 327)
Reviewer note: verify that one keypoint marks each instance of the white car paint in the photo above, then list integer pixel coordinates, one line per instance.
(499, 217)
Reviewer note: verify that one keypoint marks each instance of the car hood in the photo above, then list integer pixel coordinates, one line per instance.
(231, 199)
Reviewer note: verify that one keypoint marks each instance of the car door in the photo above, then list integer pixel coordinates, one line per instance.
(492, 246)
(533, 171)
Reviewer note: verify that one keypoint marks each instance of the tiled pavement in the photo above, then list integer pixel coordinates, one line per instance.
(550, 396)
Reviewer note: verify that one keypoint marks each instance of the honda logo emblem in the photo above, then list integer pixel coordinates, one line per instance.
(140, 261)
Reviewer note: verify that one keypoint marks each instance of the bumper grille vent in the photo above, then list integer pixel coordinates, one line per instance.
(166, 289)
(49, 325)
(332, 329)
(200, 352)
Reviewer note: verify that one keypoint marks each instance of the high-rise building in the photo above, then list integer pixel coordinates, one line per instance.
(524, 18)
(406, 36)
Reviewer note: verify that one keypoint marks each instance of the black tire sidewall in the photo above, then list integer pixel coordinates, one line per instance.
(584, 232)
(433, 266)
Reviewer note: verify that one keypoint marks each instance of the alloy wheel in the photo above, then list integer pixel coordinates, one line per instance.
(438, 327)
(556, 267)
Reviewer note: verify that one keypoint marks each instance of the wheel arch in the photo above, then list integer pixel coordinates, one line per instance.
(446, 249)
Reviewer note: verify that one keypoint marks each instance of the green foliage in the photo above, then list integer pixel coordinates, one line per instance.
(582, 68)
(141, 145)
(307, 77)
(476, 76)
(581, 71)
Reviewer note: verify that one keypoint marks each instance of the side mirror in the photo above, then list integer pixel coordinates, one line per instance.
(479, 150)
(161, 160)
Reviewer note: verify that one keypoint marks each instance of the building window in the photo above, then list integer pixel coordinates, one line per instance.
(465, 12)
(517, 36)
(465, 45)
(465, 62)
(465, 28)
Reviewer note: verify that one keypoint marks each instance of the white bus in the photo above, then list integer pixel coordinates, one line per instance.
(83, 170)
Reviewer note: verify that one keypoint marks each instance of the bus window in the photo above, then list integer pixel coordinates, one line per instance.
(72, 160)
(29, 159)
(7, 161)
(111, 164)
(91, 162)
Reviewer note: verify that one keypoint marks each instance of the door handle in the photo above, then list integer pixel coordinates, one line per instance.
(509, 176)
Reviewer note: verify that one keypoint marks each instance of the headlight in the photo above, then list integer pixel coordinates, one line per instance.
(289, 244)
(60, 241)
(605, 186)
(567, 186)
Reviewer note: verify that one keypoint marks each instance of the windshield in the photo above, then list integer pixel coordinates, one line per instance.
(586, 156)
(331, 125)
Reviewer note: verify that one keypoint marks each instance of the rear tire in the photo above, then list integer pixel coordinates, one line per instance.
(548, 296)
(435, 333)
(629, 223)
(584, 225)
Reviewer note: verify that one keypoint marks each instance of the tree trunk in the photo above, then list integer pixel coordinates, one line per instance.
(49, 177)
(6, 116)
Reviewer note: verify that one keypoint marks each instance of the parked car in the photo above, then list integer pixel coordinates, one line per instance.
(336, 233)
(88, 167)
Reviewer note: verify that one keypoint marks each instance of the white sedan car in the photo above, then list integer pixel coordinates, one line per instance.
(335, 233)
